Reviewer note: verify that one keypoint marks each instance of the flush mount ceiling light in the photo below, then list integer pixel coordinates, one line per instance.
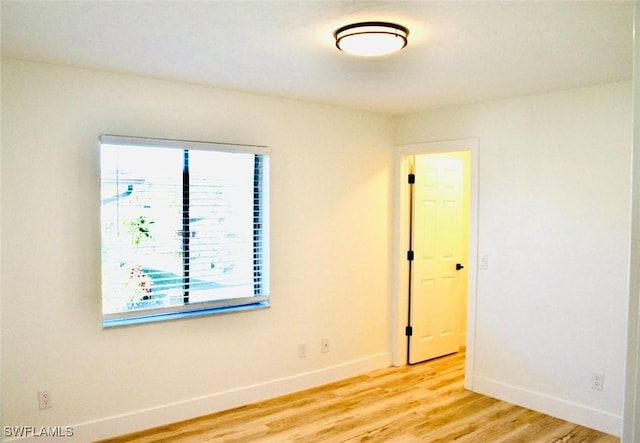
(371, 39)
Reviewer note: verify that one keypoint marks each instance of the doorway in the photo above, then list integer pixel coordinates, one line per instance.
(403, 156)
(438, 254)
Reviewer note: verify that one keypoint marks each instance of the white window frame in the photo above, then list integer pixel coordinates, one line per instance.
(257, 301)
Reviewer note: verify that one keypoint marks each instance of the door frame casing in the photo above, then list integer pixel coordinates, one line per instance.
(400, 265)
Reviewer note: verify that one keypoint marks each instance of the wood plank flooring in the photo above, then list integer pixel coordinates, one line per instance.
(419, 403)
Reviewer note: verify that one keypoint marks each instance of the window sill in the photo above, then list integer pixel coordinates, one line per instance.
(113, 323)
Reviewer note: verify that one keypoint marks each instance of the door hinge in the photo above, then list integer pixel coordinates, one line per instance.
(409, 255)
(412, 179)
(408, 331)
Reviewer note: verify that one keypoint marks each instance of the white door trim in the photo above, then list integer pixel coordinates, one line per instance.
(400, 225)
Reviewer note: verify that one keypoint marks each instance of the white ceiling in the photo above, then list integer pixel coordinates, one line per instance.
(458, 52)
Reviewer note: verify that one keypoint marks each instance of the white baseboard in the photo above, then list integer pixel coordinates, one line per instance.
(196, 407)
(556, 407)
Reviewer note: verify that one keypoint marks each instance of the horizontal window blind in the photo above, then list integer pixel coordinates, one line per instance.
(184, 227)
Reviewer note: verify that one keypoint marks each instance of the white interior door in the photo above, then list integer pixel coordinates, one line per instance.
(437, 286)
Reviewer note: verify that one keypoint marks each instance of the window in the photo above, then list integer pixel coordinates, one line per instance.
(185, 228)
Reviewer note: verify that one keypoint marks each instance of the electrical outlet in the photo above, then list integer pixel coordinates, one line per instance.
(324, 345)
(44, 399)
(597, 380)
(302, 350)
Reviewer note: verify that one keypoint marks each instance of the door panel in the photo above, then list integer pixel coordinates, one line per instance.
(437, 236)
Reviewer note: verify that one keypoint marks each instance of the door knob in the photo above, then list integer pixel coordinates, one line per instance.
(459, 266)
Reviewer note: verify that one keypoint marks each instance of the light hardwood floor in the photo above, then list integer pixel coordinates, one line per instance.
(419, 403)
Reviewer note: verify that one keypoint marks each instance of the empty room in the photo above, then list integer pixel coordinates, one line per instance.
(238, 206)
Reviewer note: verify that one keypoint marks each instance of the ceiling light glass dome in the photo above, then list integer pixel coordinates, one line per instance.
(370, 39)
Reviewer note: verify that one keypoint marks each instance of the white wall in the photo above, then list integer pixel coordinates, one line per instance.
(554, 196)
(554, 220)
(330, 253)
(1, 400)
(632, 392)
